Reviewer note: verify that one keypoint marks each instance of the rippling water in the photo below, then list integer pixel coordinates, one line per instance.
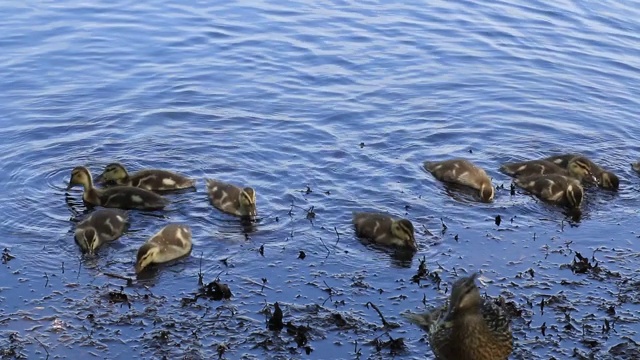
(344, 98)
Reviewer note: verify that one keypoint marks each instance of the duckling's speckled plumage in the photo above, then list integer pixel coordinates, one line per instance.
(232, 199)
(605, 179)
(559, 189)
(385, 230)
(123, 197)
(469, 327)
(576, 169)
(463, 172)
(171, 242)
(100, 227)
(148, 179)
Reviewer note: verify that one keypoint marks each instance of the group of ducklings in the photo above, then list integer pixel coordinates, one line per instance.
(557, 179)
(470, 326)
(141, 191)
(467, 327)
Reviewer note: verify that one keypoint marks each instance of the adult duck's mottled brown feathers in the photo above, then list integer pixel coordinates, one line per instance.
(468, 327)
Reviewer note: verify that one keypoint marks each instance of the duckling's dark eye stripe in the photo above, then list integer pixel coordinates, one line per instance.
(584, 166)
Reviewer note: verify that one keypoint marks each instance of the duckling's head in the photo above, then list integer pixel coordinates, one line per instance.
(248, 200)
(113, 172)
(80, 175)
(579, 168)
(465, 297)
(609, 180)
(403, 230)
(146, 254)
(574, 194)
(486, 191)
(636, 166)
(88, 240)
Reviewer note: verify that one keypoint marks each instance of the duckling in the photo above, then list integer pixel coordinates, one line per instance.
(232, 199)
(636, 166)
(149, 179)
(469, 327)
(576, 168)
(171, 242)
(385, 230)
(605, 179)
(463, 172)
(554, 188)
(123, 197)
(100, 227)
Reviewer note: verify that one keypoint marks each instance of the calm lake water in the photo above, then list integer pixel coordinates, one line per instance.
(331, 106)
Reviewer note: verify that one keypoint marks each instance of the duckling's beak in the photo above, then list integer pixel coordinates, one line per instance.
(449, 315)
(413, 245)
(100, 178)
(70, 185)
(139, 268)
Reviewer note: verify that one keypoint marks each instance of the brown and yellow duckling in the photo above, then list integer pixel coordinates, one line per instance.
(232, 199)
(462, 172)
(385, 230)
(636, 166)
(148, 179)
(559, 189)
(123, 197)
(100, 227)
(605, 179)
(469, 327)
(170, 243)
(576, 168)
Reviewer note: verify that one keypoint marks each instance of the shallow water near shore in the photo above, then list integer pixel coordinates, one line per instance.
(324, 109)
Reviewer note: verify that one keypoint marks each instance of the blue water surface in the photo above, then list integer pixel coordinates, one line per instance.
(323, 107)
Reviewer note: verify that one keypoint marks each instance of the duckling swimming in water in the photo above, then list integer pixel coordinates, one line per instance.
(463, 172)
(605, 179)
(470, 327)
(148, 179)
(232, 199)
(385, 230)
(171, 242)
(559, 189)
(123, 197)
(576, 169)
(100, 227)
